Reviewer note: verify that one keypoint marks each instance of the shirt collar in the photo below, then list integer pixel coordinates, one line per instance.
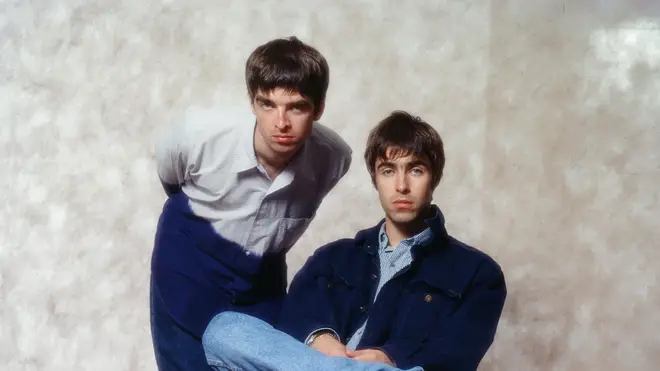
(246, 159)
(421, 238)
(369, 238)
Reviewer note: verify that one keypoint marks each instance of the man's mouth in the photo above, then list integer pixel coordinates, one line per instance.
(284, 139)
(403, 204)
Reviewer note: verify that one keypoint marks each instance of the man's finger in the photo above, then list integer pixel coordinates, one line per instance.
(365, 357)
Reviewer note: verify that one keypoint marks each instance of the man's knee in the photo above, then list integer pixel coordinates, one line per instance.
(225, 333)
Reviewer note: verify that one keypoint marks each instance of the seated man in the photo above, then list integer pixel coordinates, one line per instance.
(403, 294)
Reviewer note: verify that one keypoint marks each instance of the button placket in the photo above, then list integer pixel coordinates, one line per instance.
(256, 224)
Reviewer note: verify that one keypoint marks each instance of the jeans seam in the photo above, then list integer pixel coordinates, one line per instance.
(216, 363)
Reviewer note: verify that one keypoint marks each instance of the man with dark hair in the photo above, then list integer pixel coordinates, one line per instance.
(403, 294)
(241, 191)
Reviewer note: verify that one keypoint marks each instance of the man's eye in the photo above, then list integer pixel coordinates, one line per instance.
(298, 109)
(417, 171)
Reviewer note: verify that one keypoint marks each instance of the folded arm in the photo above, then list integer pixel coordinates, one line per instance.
(308, 307)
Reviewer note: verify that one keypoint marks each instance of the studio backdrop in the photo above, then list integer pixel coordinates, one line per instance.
(549, 111)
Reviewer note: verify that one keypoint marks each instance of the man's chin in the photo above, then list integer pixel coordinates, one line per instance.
(403, 217)
(285, 149)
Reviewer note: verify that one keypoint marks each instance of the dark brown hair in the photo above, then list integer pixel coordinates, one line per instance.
(404, 134)
(290, 64)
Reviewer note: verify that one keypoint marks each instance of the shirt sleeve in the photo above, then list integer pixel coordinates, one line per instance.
(172, 153)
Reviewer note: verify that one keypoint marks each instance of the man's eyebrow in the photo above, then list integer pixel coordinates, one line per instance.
(385, 164)
(263, 99)
(296, 103)
(300, 103)
(418, 163)
(408, 165)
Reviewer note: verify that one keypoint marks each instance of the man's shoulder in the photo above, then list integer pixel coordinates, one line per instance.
(328, 142)
(349, 245)
(457, 264)
(469, 254)
(454, 265)
(330, 157)
(338, 246)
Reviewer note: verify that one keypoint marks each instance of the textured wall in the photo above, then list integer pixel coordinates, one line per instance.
(549, 111)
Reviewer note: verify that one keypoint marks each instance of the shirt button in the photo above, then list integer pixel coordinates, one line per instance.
(374, 276)
(247, 253)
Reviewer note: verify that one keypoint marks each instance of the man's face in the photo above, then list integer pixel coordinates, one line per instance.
(404, 187)
(284, 120)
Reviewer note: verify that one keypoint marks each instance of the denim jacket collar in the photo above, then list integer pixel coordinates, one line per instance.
(369, 238)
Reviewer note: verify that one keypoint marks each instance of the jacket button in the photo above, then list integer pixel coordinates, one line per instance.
(330, 285)
(374, 276)
(428, 298)
(363, 309)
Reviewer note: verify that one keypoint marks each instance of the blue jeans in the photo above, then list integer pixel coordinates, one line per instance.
(239, 342)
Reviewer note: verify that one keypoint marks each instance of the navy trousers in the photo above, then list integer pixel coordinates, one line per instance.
(196, 274)
(176, 349)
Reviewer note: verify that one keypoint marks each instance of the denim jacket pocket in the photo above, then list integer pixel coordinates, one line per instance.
(423, 306)
(338, 280)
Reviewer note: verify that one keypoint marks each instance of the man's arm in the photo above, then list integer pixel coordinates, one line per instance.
(460, 341)
(172, 157)
(308, 310)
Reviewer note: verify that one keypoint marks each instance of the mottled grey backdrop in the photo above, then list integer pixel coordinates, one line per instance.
(549, 110)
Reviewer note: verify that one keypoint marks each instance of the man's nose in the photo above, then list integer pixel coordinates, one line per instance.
(282, 119)
(402, 184)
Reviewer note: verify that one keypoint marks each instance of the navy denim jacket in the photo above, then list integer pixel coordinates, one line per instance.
(441, 313)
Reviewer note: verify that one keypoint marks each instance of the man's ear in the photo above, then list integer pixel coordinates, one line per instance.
(319, 111)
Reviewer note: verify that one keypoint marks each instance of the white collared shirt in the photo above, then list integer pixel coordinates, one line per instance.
(211, 154)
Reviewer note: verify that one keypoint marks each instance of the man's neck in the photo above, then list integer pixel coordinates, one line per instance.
(396, 232)
(272, 164)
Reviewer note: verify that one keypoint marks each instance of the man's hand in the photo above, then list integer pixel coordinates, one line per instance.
(327, 344)
(370, 355)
